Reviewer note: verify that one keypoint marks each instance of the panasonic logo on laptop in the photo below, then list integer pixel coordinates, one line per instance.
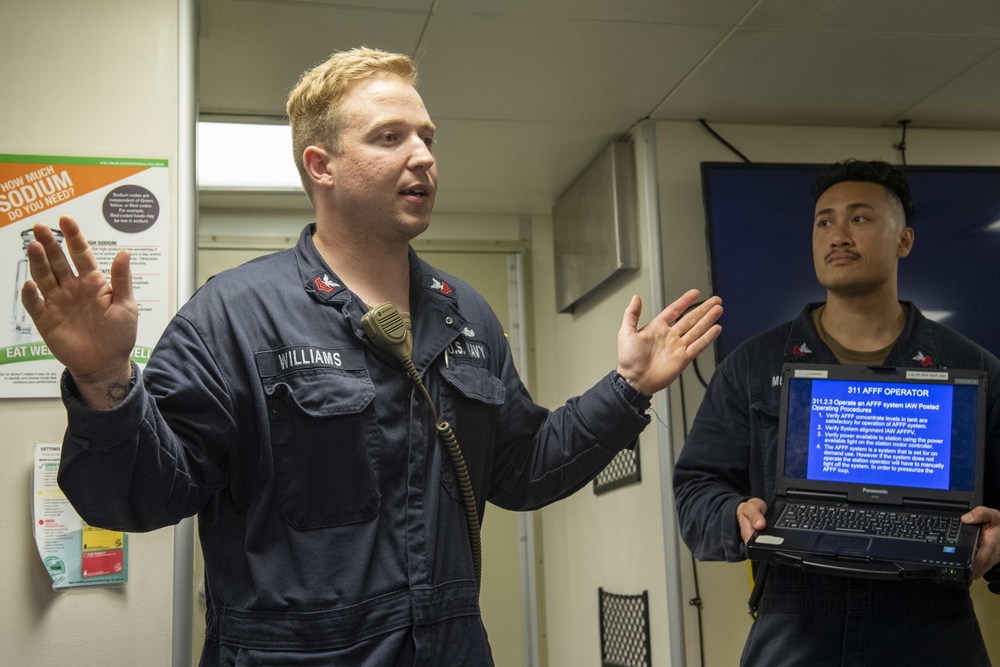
(880, 491)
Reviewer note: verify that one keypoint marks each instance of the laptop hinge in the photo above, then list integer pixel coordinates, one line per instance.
(803, 494)
(924, 503)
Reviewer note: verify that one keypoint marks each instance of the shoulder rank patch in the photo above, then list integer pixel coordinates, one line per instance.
(439, 286)
(324, 287)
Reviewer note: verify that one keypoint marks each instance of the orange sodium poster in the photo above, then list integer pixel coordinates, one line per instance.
(120, 203)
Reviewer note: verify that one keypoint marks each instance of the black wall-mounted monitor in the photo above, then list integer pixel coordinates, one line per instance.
(759, 223)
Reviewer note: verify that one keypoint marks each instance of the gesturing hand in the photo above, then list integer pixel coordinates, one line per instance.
(651, 357)
(88, 324)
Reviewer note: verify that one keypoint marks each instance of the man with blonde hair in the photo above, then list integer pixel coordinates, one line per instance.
(313, 106)
(339, 457)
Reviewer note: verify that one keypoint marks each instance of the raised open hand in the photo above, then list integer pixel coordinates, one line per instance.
(88, 323)
(651, 357)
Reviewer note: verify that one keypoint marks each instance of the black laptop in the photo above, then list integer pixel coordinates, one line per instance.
(875, 465)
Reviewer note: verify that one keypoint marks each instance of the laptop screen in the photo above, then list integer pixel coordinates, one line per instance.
(904, 428)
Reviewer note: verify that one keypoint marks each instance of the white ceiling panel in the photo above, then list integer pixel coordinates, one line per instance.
(405, 5)
(964, 17)
(526, 92)
(970, 101)
(512, 68)
(687, 12)
(252, 53)
(821, 78)
(517, 164)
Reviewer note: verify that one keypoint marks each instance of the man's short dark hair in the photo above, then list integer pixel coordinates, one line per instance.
(874, 171)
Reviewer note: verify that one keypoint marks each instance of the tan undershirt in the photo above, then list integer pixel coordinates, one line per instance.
(846, 356)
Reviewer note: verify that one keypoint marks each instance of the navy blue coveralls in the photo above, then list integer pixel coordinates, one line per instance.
(330, 520)
(806, 618)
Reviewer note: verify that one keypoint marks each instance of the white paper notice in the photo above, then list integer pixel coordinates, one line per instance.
(74, 554)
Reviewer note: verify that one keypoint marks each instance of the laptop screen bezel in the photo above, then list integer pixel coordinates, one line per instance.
(882, 494)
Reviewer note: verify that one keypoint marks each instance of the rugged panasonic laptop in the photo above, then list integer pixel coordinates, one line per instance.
(875, 465)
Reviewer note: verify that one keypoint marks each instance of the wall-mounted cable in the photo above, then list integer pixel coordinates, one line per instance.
(696, 600)
(725, 143)
(901, 146)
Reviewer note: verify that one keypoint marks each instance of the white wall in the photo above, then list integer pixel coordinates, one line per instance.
(242, 217)
(614, 540)
(89, 79)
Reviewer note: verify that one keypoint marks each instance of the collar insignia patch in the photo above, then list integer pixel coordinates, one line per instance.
(441, 286)
(801, 350)
(324, 284)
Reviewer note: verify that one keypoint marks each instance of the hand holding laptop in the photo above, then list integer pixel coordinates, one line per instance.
(750, 514)
(988, 552)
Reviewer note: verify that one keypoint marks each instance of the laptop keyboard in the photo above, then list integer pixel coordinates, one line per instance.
(931, 528)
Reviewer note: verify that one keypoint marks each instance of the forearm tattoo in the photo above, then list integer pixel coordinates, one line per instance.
(116, 393)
